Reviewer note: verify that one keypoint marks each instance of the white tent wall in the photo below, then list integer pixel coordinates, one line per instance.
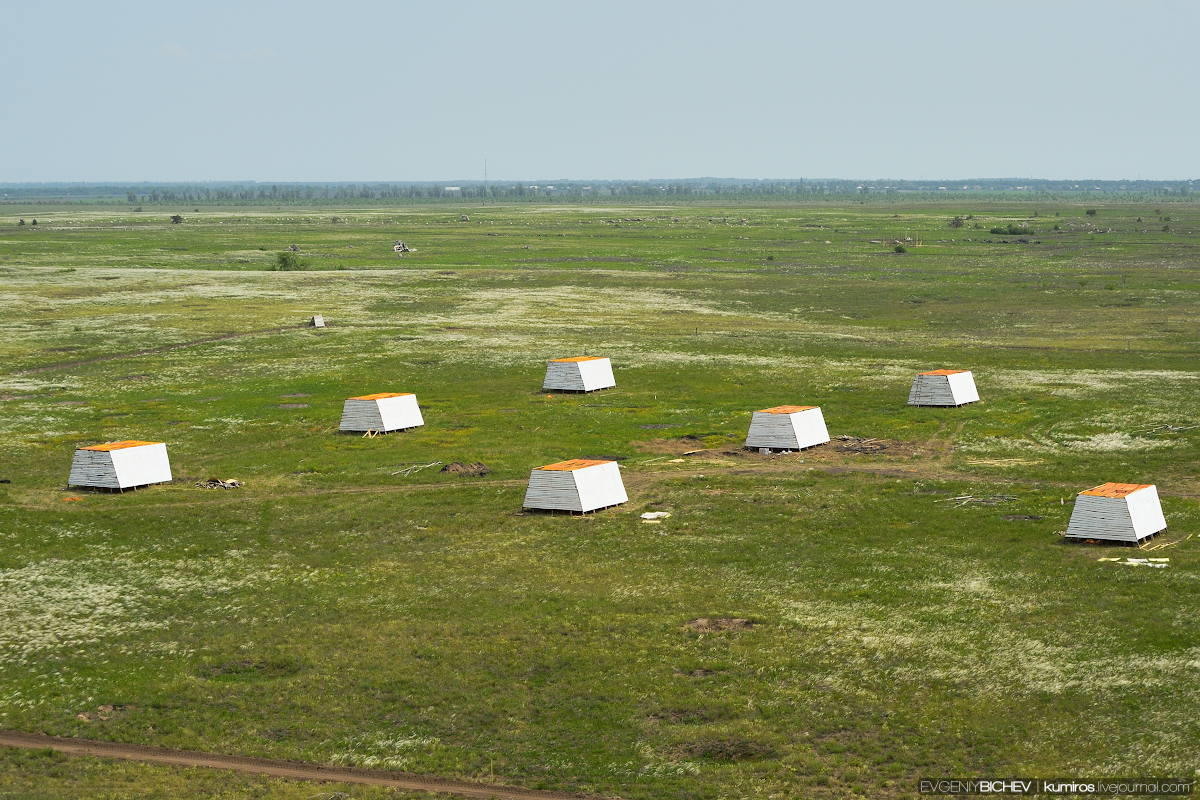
(597, 374)
(400, 412)
(138, 466)
(1145, 510)
(962, 387)
(810, 428)
(600, 486)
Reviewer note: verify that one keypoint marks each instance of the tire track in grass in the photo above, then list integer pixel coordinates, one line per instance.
(278, 768)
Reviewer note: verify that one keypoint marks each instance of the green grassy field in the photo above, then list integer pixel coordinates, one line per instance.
(339, 610)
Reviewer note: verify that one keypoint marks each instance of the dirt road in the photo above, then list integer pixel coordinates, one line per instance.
(297, 770)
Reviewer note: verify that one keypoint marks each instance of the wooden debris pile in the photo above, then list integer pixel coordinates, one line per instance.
(969, 499)
(857, 444)
(413, 469)
(217, 483)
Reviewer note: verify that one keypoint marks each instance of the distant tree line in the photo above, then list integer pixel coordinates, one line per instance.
(589, 191)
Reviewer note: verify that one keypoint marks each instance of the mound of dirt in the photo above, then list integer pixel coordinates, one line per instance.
(476, 469)
(1021, 518)
(706, 625)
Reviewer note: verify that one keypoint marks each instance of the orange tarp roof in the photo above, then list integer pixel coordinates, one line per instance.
(945, 372)
(579, 358)
(785, 409)
(380, 396)
(118, 445)
(574, 464)
(1117, 489)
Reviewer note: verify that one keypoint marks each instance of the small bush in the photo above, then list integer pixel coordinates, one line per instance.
(770, 258)
(288, 261)
(1013, 230)
(1091, 212)
(900, 248)
(957, 222)
(1057, 228)
(22, 222)
(1166, 228)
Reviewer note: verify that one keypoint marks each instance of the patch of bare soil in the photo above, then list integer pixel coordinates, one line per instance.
(1021, 518)
(707, 625)
(476, 469)
(293, 405)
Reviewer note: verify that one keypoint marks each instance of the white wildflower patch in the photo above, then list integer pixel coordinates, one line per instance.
(1060, 441)
(58, 605)
(1078, 382)
(383, 751)
(941, 640)
(1114, 442)
(55, 605)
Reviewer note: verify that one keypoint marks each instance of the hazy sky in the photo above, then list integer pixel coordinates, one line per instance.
(366, 91)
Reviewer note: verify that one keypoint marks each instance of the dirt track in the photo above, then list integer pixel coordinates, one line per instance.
(297, 770)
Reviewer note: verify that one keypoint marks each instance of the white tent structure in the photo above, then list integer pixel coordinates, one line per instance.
(120, 465)
(1117, 512)
(580, 485)
(787, 428)
(578, 374)
(943, 387)
(382, 413)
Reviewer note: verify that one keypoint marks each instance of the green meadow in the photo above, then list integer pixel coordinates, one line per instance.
(353, 604)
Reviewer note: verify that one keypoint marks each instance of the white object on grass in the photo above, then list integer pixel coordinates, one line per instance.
(120, 465)
(1118, 512)
(577, 485)
(943, 387)
(383, 412)
(578, 374)
(787, 428)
